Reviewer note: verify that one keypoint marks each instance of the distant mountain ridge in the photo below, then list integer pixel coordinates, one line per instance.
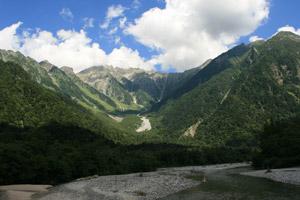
(135, 86)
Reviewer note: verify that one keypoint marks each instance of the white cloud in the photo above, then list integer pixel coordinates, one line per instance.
(8, 38)
(88, 22)
(114, 11)
(255, 38)
(290, 29)
(66, 14)
(124, 56)
(122, 22)
(187, 33)
(68, 48)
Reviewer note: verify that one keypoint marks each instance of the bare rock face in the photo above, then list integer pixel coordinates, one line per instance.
(68, 70)
(47, 65)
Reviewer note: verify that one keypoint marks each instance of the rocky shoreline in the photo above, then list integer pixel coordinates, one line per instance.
(138, 186)
(286, 175)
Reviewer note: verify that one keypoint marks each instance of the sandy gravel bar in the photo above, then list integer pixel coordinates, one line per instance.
(145, 126)
(138, 186)
(286, 175)
(21, 192)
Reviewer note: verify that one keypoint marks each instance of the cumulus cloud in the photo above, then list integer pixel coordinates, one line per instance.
(255, 38)
(68, 48)
(187, 33)
(66, 14)
(8, 38)
(88, 22)
(114, 11)
(128, 57)
(290, 29)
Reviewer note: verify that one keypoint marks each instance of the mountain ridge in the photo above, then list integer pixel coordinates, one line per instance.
(261, 83)
(216, 94)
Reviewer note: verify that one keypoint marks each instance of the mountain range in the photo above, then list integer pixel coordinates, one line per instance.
(225, 101)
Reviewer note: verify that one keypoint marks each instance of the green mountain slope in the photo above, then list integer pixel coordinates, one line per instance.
(53, 78)
(230, 103)
(25, 103)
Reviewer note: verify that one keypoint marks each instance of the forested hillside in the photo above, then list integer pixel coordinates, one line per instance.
(63, 83)
(279, 144)
(56, 153)
(254, 83)
(24, 103)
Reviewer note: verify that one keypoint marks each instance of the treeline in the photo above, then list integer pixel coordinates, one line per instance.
(279, 144)
(58, 153)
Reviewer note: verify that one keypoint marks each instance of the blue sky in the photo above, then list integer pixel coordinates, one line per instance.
(142, 45)
(282, 13)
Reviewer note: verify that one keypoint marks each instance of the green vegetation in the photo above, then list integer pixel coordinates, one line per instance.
(24, 103)
(236, 94)
(57, 153)
(279, 144)
(131, 122)
(64, 83)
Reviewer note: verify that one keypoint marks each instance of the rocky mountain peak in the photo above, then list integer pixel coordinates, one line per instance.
(68, 70)
(47, 65)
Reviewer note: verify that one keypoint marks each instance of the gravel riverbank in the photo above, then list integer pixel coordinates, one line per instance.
(138, 186)
(286, 175)
(145, 126)
(21, 192)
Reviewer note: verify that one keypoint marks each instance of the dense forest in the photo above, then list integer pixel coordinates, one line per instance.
(279, 144)
(57, 153)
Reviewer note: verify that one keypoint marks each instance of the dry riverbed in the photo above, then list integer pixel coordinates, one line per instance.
(287, 175)
(145, 126)
(138, 186)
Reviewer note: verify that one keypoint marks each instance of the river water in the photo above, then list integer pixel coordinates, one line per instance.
(228, 185)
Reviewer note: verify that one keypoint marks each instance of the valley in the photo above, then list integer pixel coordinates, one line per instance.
(61, 125)
(150, 100)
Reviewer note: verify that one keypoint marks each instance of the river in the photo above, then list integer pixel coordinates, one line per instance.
(228, 185)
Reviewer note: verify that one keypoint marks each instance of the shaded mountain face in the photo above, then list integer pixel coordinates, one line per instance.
(231, 99)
